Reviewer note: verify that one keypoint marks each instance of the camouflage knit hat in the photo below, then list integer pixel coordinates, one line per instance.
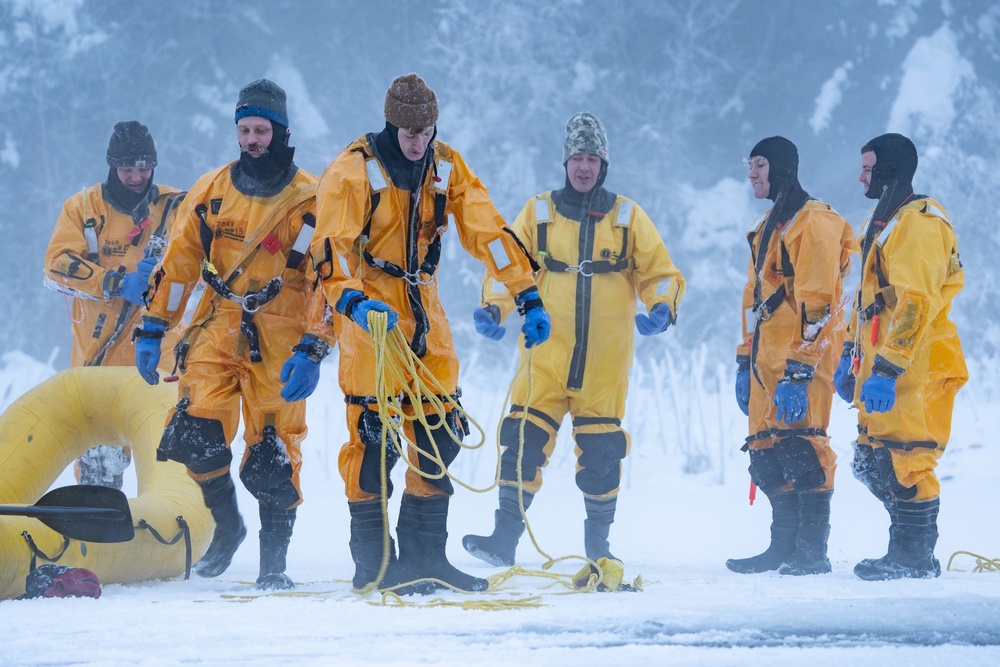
(264, 99)
(131, 146)
(585, 134)
(410, 104)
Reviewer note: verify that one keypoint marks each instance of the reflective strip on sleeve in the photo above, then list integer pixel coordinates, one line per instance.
(663, 287)
(174, 297)
(542, 211)
(343, 265)
(624, 218)
(443, 176)
(375, 177)
(90, 233)
(303, 240)
(499, 253)
(497, 287)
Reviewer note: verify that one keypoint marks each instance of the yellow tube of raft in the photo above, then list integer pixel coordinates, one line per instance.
(47, 428)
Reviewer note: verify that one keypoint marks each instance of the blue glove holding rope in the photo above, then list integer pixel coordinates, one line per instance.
(657, 321)
(488, 322)
(147, 339)
(356, 305)
(135, 284)
(878, 392)
(301, 372)
(791, 395)
(843, 379)
(743, 385)
(537, 324)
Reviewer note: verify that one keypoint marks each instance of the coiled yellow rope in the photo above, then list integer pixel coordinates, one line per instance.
(983, 564)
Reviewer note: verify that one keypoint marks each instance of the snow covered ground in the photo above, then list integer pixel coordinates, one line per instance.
(675, 529)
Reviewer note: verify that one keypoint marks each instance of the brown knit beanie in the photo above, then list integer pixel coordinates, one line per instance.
(410, 104)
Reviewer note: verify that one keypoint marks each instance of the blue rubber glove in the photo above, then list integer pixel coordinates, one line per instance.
(356, 305)
(300, 374)
(656, 322)
(843, 379)
(878, 392)
(134, 284)
(743, 387)
(790, 396)
(488, 322)
(147, 349)
(537, 324)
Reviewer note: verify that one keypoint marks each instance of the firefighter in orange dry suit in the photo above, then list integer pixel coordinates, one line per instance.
(905, 354)
(104, 246)
(245, 229)
(383, 204)
(793, 330)
(599, 251)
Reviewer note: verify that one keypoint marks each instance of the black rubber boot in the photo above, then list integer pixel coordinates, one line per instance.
(916, 536)
(500, 548)
(275, 534)
(810, 556)
(423, 537)
(784, 530)
(367, 551)
(220, 498)
(870, 565)
(103, 465)
(597, 526)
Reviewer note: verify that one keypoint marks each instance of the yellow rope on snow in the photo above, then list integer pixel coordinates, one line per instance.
(983, 564)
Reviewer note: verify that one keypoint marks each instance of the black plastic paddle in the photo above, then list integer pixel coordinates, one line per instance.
(83, 512)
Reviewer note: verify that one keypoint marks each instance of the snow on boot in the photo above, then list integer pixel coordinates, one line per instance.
(916, 537)
(423, 535)
(275, 535)
(784, 530)
(814, 530)
(367, 551)
(220, 498)
(597, 526)
(103, 466)
(500, 548)
(869, 566)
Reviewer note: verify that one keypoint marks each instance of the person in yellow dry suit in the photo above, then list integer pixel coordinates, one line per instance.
(105, 244)
(245, 230)
(599, 251)
(792, 333)
(383, 204)
(902, 364)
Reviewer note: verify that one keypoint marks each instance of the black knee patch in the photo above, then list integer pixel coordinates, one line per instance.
(766, 471)
(440, 435)
(601, 455)
(198, 443)
(370, 433)
(892, 489)
(865, 469)
(801, 464)
(267, 473)
(535, 439)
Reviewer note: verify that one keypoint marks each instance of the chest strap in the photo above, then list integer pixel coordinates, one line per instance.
(586, 267)
(250, 302)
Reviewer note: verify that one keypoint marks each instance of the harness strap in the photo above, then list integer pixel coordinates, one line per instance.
(250, 302)
(592, 421)
(536, 413)
(784, 433)
(898, 444)
(586, 267)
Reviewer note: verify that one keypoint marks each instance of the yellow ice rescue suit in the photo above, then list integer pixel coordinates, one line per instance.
(388, 242)
(792, 316)
(591, 274)
(909, 278)
(251, 251)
